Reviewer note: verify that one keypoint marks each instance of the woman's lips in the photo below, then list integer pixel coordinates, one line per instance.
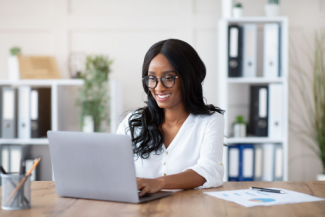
(163, 97)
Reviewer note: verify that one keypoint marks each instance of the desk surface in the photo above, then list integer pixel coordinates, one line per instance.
(45, 202)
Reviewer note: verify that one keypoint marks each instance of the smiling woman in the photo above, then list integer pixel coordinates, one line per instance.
(177, 139)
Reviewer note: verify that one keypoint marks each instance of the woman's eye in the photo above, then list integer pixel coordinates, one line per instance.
(152, 78)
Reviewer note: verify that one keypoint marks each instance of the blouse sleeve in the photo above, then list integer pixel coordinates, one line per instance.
(209, 164)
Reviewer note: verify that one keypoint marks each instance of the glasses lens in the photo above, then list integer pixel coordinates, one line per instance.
(168, 80)
(150, 81)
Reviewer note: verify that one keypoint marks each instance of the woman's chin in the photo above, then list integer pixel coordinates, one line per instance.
(162, 104)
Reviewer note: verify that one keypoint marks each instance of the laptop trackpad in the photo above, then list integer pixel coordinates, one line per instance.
(159, 194)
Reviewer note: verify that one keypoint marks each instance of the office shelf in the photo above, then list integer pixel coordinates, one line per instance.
(41, 141)
(257, 20)
(42, 82)
(252, 140)
(233, 93)
(258, 80)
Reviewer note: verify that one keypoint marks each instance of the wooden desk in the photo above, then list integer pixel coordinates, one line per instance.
(45, 202)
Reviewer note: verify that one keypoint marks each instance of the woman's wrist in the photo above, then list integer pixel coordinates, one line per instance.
(162, 182)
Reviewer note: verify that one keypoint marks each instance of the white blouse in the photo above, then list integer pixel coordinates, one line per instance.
(198, 146)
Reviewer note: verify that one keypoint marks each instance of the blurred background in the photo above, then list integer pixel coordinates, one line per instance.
(121, 32)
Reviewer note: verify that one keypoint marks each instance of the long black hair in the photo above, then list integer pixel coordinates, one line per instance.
(145, 123)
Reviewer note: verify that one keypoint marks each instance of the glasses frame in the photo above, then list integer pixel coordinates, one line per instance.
(160, 78)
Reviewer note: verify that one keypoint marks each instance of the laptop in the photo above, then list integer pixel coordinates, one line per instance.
(96, 166)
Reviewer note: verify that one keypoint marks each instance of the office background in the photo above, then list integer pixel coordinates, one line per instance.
(125, 30)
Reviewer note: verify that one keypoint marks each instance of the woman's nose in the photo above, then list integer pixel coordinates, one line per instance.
(160, 86)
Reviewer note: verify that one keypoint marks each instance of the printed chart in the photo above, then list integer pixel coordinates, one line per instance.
(250, 198)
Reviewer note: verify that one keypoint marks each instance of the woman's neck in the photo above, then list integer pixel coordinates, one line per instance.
(175, 114)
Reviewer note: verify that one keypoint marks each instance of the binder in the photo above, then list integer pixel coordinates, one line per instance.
(275, 116)
(268, 162)
(9, 113)
(258, 165)
(11, 156)
(271, 62)
(40, 112)
(246, 169)
(278, 162)
(28, 165)
(24, 131)
(5, 157)
(241, 162)
(258, 124)
(234, 51)
(233, 162)
(249, 50)
(15, 157)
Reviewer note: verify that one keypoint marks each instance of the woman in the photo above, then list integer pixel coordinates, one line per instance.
(177, 139)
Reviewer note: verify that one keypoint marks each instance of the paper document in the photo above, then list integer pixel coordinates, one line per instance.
(250, 198)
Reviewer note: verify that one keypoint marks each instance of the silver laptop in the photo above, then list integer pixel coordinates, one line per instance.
(96, 166)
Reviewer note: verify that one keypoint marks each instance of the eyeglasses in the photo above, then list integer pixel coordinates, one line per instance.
(167, 80)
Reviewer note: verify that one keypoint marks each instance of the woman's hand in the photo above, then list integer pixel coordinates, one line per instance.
(149, 185)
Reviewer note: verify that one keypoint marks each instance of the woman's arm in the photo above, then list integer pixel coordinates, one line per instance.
(207, 173)
(184, 180)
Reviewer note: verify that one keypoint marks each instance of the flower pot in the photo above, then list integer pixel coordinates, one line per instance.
(272, 10)
(13, 68)
(239, 130)
(88, 126)
(237, 12)
(320, 177)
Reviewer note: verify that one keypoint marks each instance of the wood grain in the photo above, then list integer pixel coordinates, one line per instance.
(45, 202)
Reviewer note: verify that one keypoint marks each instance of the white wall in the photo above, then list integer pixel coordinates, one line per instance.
(125, 30)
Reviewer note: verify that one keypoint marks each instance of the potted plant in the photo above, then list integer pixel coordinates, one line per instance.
(240, 127)
(13, 64)
(311, 89)
(93, 98)
(272, 8)
(237, 10)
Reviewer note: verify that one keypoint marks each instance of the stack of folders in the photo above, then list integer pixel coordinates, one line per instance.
(242, 50)
(266, 111)
(259, 162)
(25, 112)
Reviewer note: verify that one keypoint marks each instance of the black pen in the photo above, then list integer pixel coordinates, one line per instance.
(267, 190)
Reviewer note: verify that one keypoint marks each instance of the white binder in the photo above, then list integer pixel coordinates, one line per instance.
(271, 50)
(278, 161)
(24, 130)
(5, 152)
(258, 162)
(250, 50)
(28, 165)
(8, 128)
(275, 122)
(268, 162)
(15, 157)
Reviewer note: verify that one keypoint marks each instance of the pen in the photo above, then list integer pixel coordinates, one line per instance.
(267, 190)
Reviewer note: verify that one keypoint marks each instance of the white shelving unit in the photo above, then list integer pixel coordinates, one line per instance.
(227, 85)
(54, 84)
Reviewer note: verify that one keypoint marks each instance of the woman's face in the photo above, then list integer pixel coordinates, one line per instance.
(165, 97)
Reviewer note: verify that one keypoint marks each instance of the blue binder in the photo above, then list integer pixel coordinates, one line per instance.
(233, 163)
(241, 162)
(246, 159)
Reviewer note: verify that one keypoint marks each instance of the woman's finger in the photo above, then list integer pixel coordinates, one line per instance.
(144, 191)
